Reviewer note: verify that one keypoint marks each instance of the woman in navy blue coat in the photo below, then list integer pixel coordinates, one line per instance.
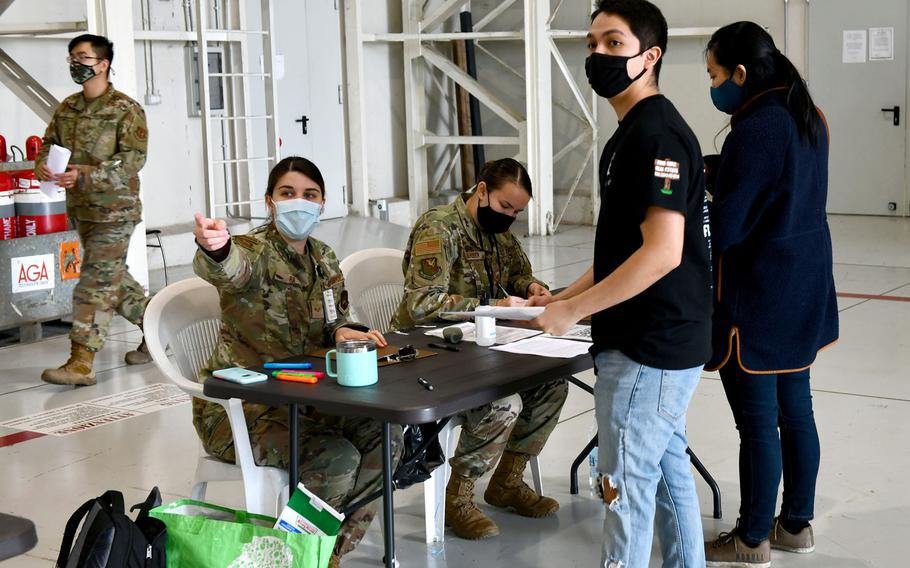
(775, 305)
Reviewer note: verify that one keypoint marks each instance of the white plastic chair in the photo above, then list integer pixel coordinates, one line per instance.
(375, 285)
(185, 317)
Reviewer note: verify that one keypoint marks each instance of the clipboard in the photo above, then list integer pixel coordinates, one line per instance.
(380, 352)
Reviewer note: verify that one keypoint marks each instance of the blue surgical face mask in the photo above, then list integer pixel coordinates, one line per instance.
(729, 97)
(296, 218)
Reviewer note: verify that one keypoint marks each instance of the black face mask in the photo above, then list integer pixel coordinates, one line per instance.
(608, 74)
(492, 221)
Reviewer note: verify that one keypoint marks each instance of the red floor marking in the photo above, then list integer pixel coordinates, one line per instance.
(873, 297)
(13, 439)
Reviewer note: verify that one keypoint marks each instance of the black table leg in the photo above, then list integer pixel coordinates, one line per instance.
(387, 506)
(715, 490)
(294, 467)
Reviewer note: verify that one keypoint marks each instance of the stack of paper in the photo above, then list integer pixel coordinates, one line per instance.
(546, 347)
(498, 312)
(57, 159)
(577, 332)
(503, 334)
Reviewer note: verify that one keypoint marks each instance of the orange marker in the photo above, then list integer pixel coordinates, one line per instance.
(297, 378)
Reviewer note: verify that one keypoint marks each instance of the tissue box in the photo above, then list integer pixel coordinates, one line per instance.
(306, 513)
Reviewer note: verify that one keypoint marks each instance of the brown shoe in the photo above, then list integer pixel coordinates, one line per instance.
(467, 521)
(802, 542)
(334, 562)
(77, 371)
(508, 490)
(730, 550)
(140, 356)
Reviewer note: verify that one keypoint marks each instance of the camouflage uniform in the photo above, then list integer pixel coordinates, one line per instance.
(449, 265)
(108, 138)
(272, 308)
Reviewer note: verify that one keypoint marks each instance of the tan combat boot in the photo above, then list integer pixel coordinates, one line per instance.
(467, 521)
(77, 371)
(508, 490)
(138, 357)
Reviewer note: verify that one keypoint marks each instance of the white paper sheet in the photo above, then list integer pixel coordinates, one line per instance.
(577, 332)
(503, 334)
(545, 347)
(854, 46)
(57, 159)
(881, 44)
(498, 312)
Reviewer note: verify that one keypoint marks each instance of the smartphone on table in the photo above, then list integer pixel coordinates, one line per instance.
(240, 375)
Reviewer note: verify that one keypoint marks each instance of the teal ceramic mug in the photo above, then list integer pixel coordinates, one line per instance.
(355, 362)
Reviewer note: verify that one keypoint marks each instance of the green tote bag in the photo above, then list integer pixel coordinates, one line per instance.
(205, 535)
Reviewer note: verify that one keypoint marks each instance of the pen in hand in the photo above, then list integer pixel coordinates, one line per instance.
(426, 384)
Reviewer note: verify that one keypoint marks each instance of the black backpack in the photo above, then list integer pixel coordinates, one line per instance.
(109, 538)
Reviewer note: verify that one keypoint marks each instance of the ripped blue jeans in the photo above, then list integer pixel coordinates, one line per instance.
(647, 477)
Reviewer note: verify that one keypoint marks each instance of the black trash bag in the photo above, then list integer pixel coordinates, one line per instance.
(420, 456)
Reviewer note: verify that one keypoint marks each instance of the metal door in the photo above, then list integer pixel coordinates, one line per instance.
(309, 105)
(865, 102)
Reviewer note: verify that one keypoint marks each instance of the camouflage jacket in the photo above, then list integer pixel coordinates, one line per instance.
(450, 264)
(108, 138)
(271, 304)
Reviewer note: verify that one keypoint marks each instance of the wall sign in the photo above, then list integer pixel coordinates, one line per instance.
(881, 44)
(30, 273)
(854, 46)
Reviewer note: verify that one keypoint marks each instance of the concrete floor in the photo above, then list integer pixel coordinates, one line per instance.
(862, 403)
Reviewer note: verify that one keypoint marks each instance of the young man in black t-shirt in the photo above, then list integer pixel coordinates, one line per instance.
(649, 291)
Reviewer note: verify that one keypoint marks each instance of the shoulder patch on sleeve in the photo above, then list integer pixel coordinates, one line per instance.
(429, 268)
(428, 246)
(667, 170)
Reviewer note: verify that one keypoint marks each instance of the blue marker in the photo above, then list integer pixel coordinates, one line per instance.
(287, 366)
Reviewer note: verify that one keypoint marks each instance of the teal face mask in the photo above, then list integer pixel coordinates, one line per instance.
(729, 97)
(296, 218)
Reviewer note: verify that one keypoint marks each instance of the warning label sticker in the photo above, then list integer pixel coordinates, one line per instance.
(82, 416)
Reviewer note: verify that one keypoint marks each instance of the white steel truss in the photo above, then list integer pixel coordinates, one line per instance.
(232, 192)
(533, 124)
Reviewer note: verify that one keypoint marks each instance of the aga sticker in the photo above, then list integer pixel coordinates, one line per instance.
(30, 273)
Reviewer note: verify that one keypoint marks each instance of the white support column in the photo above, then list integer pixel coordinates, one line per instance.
(114, 20)
(539, 137)
(356, 107)
(415, 110)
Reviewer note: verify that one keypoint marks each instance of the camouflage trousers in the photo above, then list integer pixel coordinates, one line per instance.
(105, 285)
(340, 458)
(520, 423)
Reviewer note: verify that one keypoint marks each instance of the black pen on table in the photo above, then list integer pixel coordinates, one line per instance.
(441, 346)
(426, 384)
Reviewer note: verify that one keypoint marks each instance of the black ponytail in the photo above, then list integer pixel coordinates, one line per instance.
(749, 45)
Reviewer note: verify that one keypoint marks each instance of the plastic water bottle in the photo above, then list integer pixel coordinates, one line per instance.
(485, 329)
(593, 474)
